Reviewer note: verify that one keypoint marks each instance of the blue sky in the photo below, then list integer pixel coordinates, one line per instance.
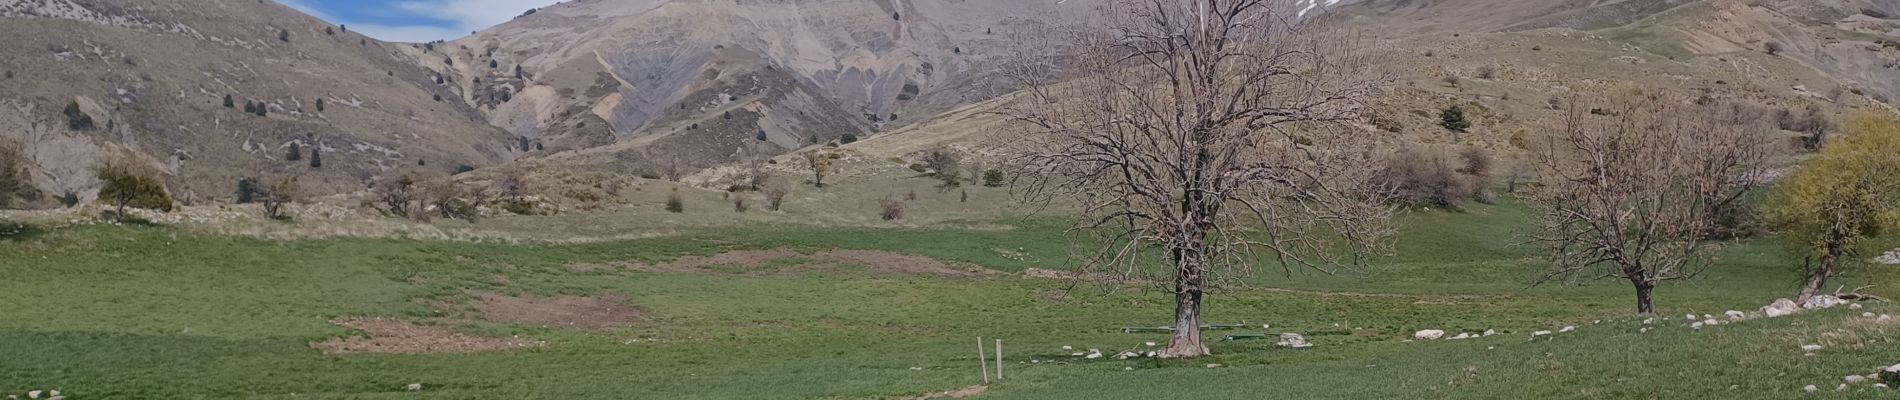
(416, 20)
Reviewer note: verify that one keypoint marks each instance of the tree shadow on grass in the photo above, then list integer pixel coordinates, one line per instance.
(15, 231)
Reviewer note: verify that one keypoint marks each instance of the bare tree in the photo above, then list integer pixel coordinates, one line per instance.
(820, 163)
(946, 164)
(15, 183)
(281, 191)
(755, 173)
(398, 196)
(1633, 190)
(1210, 131)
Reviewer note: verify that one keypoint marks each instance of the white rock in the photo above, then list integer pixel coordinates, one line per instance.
(922, 368)
(1866, 315)
(1077, 354)
(1697, 325)
(1645, 329)
(1461, 336)
(1647, 321)
(1735, 315)
(1126, 355)
(1150, 344)
(33, 394)
(1711, 322)
(1854, 306)
(1128, 368)
(1811, 348)
(1690, 317)
(1294, 340)
(1810, 389)
(1151, 354)
(1780, 308)
(1880, 386)
(1822, 301)
(1884, 318)
(1489, 332)
(1855, 379)
(1842, 387)
(1539, 333)
(1567, 329)
(1429, 334)
(417, 387)
(1067, 348)
(1092, 356)
(1706, 316)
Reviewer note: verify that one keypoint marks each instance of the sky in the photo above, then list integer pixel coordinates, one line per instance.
(416, 21)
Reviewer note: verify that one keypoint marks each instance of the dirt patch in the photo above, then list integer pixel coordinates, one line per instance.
(569, 312)
(952, 394)
(395, 336)
(786, 262)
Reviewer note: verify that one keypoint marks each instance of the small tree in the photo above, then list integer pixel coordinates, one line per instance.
(296, 152)
(15, 183)
(283, 35)
(128, 183)
(1634, 193)
(262, 110)
(946, 165)
(890, 209)
(76, 118)
(248, 190)
(820, 163)
(319, 104)
(397, 196)
(775, 197)
(1840, 199)
(739, 204)
(281, 192)
(451, 202)
(229, 102)
(316, 158)
(1772, 47)
(250, 107)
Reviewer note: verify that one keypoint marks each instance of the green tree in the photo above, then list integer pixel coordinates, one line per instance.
(76, 118)
(229, 102)
(283, 35)
(316, 158)
(1839, 199)
(130, 184)
(296, 152)
(1454, 119)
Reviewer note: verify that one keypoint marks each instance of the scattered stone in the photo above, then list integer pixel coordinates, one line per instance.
(1644, 330)
(1855, 379)
(1213, 365)
(1150, 344)
(1866, 315)
(1880, 386)
(1068, 348)
(1842, 387)
(417, 387)
(1093, 354)
(1711, 322)
(1697, 325)
(1490, 332)
(1077, 354)
(1706, 316)
(1461, 336)
(922, 368)
(1690, 317)
(1151, 354)
(1539, 333)
(1810, 389)
(1126, 355)
(1567, 329)
(1429, 334)
(1811, 348)
(1780, 308)
(1854, 306)
(1823, 301)
(33, 394)
(1128, 368)
(1648, 321)
(1294, 340)
(1735, 315)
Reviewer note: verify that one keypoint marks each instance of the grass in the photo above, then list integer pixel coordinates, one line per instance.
(161, 312)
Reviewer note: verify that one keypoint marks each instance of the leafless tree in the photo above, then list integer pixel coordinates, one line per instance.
(279, 192)
(755, 173)
(1210, 131)
(398, 196)
(15, 183)
(1634, 193)
(946, 164)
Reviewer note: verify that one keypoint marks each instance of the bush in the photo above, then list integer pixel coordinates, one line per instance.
(848, 138)
(1487, 72)
(1772, 47)
(1421, 179)
(282, 192)
(229, 102)
(130, 184)
(397, 196)
(890, 209)
(451, 202)
(248, 191)
(464, 168)
(76, 118)
(1454, 119)
(739, 204)
(296, 152)
(1388, 124)
(319, 104)
(946, 165)
(316, 158)
(994, 178)
(674, 203)
(15, 183)
(283, 35)
(775, 197)
(250, 107)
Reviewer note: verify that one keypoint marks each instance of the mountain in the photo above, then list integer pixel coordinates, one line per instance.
(153, 76)
(640, 83)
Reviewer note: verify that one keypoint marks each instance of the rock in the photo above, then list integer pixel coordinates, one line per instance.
(1093, 354)
(1429, 334)
(1213, 365)
(1690, 317)
(1126, 355)
(1647, 321)
(1067, 348)
(1822, 301)
(33, 394)
(1567, 329)
(417, 387)
(1150, 344)
(1810, 389)
(1855, 379)
(1866, 315)
(1644, 330)
(1696, 325)
(1780, 308)
(1711, 322)
(1490, 332)
(1884, 318)
(1151, 354)
(1294, 340)
(1077, 354)
(911, 368)
(1706, 316)
(1811, 348)
(1880, 386)
(1735, 315)
(1842, 387)
(1853, 306)
(1539, 333)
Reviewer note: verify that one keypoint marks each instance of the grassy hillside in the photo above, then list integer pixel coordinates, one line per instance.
(164, 312)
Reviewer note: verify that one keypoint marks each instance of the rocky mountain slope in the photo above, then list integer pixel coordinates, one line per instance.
(152, 77)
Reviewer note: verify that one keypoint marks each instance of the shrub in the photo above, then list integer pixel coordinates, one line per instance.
(316, 158)
(15, 183)
(250, 107)
(451, 202)
(1487, 72)
(296, 152)
(76, 118)
(993, 178)
(282, 192)
(1813, 122)
(319, 104)
(283, 35)
(1454, 119)
(464, 168)
(1421, 179)
(848, 138)
(1772, 47)
(1453, 80)
(69, 199)
(397, 196)
(130, 184)
(946, 165)
(739, 204)
(229, 102)
(890, 209)
(248, 191)
(262, 109)
(674, 203)
(775, 197)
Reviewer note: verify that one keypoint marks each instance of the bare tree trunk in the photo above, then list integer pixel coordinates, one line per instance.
(1644, 304)
(1189, 268)
(1817, 279)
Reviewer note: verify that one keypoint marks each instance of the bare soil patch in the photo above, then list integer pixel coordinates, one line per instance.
(396, 336)
(569, 312)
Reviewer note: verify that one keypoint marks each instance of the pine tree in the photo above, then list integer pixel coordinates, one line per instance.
(319, 104)
(296, 152)
(229, 102)
(316, 158)
(283, 35)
